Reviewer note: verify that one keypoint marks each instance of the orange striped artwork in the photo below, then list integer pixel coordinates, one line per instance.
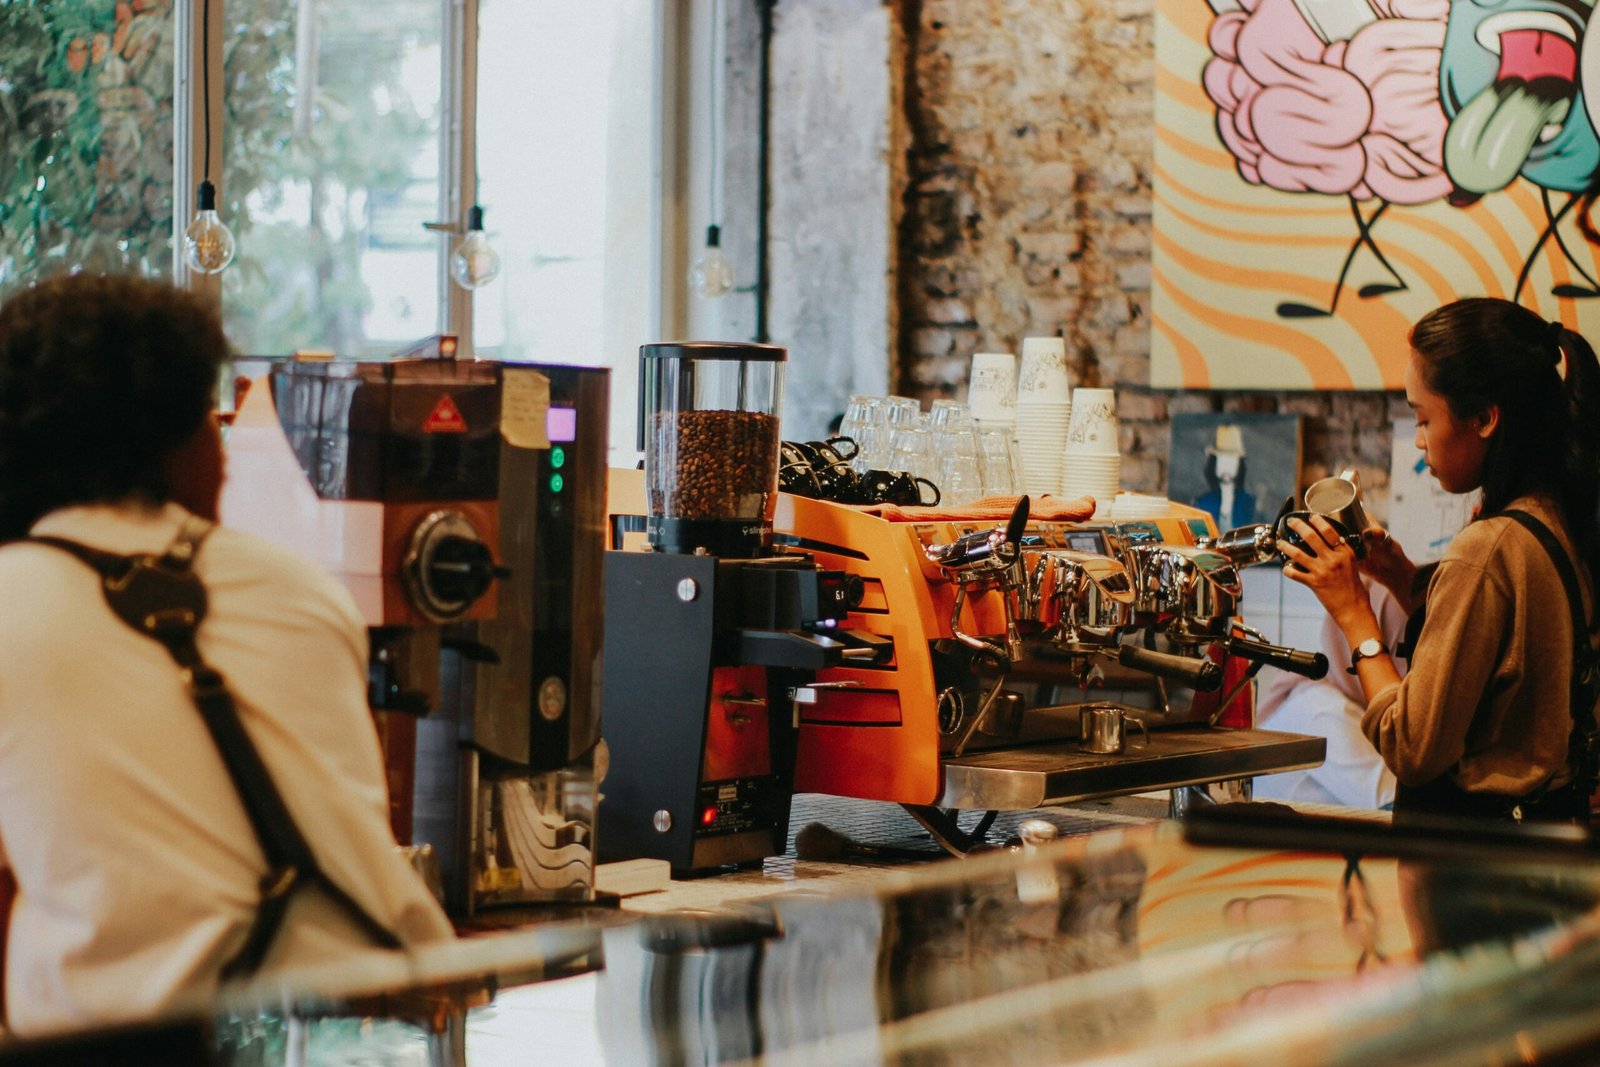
(1327, 171)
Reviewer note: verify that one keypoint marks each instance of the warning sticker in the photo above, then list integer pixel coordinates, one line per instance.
(446, 418)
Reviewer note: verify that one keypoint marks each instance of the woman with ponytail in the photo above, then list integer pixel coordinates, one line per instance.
(1492, 717)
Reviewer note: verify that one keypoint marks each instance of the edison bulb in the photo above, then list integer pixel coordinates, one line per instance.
(475, 263)
(710, 276)
(208, 244)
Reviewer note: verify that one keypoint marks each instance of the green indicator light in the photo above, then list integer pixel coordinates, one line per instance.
(558, 456)
(556, 483)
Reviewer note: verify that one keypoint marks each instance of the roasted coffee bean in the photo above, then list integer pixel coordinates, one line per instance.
(714, 464)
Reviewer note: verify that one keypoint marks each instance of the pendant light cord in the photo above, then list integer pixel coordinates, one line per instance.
(716, 162)
(205, 77)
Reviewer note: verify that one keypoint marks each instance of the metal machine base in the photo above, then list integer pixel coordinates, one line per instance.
(1020, 778)
(1199, 764)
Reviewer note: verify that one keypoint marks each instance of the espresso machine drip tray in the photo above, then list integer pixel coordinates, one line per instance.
(1015, 779)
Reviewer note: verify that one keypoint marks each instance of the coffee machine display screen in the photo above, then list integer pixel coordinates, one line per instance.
(1087, 541)
(561, 424)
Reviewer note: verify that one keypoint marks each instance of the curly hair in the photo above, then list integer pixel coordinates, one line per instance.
(101, 380)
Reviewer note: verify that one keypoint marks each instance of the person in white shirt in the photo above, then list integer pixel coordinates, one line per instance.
(137, 874)
(1353, 774)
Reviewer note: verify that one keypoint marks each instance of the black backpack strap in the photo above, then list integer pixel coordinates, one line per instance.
(1581, 748)
(162, 598)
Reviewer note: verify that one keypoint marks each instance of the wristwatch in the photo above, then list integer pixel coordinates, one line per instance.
(1368, 648)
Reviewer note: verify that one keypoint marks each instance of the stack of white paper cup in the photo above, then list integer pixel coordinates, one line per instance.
(1091, 463)
(992, 390)
(1043, 406)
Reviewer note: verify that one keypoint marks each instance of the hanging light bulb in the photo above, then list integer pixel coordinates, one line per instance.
(208, 244)
(475, 263)
(710, 276)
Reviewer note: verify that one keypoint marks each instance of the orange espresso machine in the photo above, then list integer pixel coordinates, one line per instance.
(461, 503)
(1009, 639)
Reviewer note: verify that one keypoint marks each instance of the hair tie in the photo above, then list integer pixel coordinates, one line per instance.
(1556, 334)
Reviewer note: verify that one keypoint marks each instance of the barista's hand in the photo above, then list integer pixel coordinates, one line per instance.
(1388, 565)
(1331, 571)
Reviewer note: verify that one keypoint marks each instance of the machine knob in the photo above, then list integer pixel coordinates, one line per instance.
(447, 566)
(1037, 832)
(461, 569)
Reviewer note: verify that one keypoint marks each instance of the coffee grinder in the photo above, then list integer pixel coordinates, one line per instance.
(712, 634)
(461, 503)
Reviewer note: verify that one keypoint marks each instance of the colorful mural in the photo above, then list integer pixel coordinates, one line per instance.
(1329, 170)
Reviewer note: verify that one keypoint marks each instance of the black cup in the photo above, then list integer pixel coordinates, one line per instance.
(795, 473)
(1286, 534)
(894, 487)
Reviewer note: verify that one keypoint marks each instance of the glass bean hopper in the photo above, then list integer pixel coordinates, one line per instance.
(708, 427)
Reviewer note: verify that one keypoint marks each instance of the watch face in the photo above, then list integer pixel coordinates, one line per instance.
(1370, 647)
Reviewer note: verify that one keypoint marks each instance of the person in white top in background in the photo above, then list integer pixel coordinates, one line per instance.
(136, 871)
(1353, 775)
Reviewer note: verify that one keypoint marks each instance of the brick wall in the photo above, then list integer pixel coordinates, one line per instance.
(1026, 211)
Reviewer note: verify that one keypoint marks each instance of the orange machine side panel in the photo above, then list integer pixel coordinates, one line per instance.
(874, 759)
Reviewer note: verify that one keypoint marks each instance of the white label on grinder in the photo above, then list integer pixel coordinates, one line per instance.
(524, 407)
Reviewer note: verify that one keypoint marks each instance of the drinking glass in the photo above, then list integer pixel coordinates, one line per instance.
(997, 467)
(912, 450)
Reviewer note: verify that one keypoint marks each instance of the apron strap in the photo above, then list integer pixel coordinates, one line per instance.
(1581, 746)
(162, 598)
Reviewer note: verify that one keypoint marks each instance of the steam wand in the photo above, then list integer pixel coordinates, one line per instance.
(1255, 647)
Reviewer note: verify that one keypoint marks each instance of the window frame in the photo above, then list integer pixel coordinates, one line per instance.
(458, 155)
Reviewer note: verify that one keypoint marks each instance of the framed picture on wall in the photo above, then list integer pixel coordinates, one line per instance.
(1237, 466)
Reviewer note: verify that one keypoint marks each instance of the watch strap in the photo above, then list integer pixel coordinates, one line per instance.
(1357, 655)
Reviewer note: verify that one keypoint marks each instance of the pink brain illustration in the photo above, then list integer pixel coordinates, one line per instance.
(1358, 116)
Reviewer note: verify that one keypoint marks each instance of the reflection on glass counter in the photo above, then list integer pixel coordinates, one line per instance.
(1352, 946)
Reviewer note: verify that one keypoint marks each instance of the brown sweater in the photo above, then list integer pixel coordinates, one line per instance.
(1486, 697)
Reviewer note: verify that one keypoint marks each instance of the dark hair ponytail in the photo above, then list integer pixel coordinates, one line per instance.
(1582, 503)
(1483, 352)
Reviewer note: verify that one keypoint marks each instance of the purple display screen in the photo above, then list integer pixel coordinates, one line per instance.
(561, 424)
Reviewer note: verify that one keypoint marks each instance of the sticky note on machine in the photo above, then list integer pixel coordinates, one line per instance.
(524, 407)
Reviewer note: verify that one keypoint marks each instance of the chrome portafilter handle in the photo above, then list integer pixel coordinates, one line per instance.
(979, 550)
(993, 550)
(1245, 545)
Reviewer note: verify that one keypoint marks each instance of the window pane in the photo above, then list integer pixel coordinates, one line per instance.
(85, 138)
(566, 117)
(332, 167)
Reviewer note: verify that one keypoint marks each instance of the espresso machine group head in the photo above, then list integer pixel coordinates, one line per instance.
(712, 635)
(461, 503)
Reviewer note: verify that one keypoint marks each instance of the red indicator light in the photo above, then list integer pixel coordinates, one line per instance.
(709, 816)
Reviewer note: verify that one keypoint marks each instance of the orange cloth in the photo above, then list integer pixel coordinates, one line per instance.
(1045, 508)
